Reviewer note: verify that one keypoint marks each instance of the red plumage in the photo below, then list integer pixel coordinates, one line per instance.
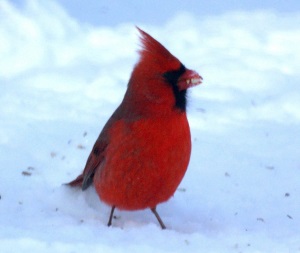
(143, 151)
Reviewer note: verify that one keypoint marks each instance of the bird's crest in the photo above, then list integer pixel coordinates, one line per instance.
(156, 55)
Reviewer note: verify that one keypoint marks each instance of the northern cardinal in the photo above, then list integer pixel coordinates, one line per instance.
(143, 151)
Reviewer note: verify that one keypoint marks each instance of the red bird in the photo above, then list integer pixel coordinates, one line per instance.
(143, 151)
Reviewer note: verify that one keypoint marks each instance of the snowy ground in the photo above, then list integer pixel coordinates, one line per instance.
(60, 80)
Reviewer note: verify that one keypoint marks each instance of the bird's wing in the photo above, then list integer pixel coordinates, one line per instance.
(96, 156)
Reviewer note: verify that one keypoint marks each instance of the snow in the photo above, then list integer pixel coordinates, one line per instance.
(61, 79)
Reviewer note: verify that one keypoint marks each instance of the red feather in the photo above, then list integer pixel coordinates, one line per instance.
(143, 151)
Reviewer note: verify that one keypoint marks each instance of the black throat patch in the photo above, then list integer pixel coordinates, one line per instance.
(180, 96)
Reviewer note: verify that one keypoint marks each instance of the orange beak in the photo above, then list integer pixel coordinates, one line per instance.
(188, 79)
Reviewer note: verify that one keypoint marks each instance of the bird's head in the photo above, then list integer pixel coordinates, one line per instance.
(159, 77)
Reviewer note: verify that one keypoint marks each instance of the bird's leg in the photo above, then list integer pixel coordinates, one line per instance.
(158, 218)
(111, 215)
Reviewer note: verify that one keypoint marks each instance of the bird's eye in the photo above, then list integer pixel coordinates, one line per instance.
(173, 75)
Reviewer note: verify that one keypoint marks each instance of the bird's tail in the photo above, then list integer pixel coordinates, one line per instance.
(77, 182)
